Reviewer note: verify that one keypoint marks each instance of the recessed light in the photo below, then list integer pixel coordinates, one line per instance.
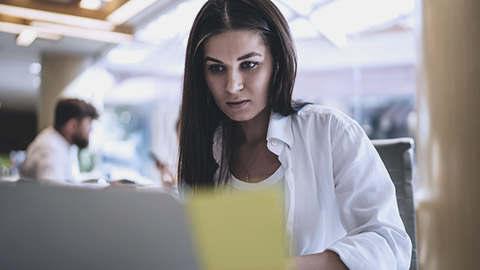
(35, 68)
(26, 37)
(91, 4)
(36, 82)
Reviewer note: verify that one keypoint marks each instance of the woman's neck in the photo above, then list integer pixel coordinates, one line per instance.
(255, 129)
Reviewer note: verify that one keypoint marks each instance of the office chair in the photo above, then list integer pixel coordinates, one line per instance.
(397, 154)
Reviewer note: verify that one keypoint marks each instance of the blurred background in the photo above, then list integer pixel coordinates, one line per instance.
(126, 57)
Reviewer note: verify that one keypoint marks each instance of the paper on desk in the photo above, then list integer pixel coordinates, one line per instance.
(239, 231)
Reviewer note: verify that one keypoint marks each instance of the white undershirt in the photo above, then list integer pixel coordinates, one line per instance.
(275, 181)
(271, 181)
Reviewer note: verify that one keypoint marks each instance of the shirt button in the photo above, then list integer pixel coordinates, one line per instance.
(292, 170)
(274, 143)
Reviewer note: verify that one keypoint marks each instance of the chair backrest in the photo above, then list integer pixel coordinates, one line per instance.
(397, 154)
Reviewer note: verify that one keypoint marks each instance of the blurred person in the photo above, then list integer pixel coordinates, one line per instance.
(52, 155)
(166, 171)
(167, 175)
(240, 131)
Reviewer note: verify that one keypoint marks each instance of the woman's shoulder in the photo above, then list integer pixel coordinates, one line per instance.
(332, 123)
(324, 115)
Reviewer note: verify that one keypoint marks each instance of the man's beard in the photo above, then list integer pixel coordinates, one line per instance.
(80, 142)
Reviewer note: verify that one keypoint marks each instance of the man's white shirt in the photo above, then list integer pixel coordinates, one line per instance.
(51, 159)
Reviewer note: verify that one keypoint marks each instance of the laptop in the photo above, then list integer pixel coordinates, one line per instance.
(47, 227)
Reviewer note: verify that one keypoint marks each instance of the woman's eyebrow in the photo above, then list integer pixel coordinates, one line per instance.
(246, 56)
(208, 58)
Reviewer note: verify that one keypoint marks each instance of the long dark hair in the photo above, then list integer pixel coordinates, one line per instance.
(200, 116)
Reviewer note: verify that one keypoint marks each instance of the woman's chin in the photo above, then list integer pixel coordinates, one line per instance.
(240, 118)
(244, 116)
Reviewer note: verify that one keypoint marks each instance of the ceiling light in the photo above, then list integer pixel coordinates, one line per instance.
(40, 15)
(91, 34)
(35, 68)
(128, 10)
(36, 82)
(91, 4)
(16, 29)
(26, 37)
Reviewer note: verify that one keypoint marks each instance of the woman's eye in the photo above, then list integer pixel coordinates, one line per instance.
(216, 68)
(248, 65)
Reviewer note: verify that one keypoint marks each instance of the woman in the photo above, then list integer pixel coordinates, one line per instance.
(240, 128)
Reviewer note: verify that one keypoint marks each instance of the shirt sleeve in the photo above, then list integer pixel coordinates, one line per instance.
(376, 237)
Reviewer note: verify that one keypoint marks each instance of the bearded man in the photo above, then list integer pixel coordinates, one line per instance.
(52, 156)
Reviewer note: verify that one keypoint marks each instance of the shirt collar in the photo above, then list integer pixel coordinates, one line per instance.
(280, 128)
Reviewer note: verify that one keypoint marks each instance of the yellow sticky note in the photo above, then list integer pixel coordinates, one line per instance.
(239, 231)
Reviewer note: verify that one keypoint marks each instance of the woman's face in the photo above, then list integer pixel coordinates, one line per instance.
(238, 68)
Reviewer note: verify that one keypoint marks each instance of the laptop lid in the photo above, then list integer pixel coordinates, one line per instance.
(45, 227)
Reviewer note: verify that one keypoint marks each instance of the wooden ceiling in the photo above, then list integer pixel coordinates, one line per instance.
(67, 18)
(70, 7)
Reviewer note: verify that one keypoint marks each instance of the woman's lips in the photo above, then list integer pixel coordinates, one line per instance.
(238, 104)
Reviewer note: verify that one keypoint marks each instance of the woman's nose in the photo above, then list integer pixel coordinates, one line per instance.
(234, 82)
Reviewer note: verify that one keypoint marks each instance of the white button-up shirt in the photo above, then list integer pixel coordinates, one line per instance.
(340, 196)
(50, 159)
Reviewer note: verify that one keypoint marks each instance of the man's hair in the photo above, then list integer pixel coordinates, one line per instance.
(69, 108)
